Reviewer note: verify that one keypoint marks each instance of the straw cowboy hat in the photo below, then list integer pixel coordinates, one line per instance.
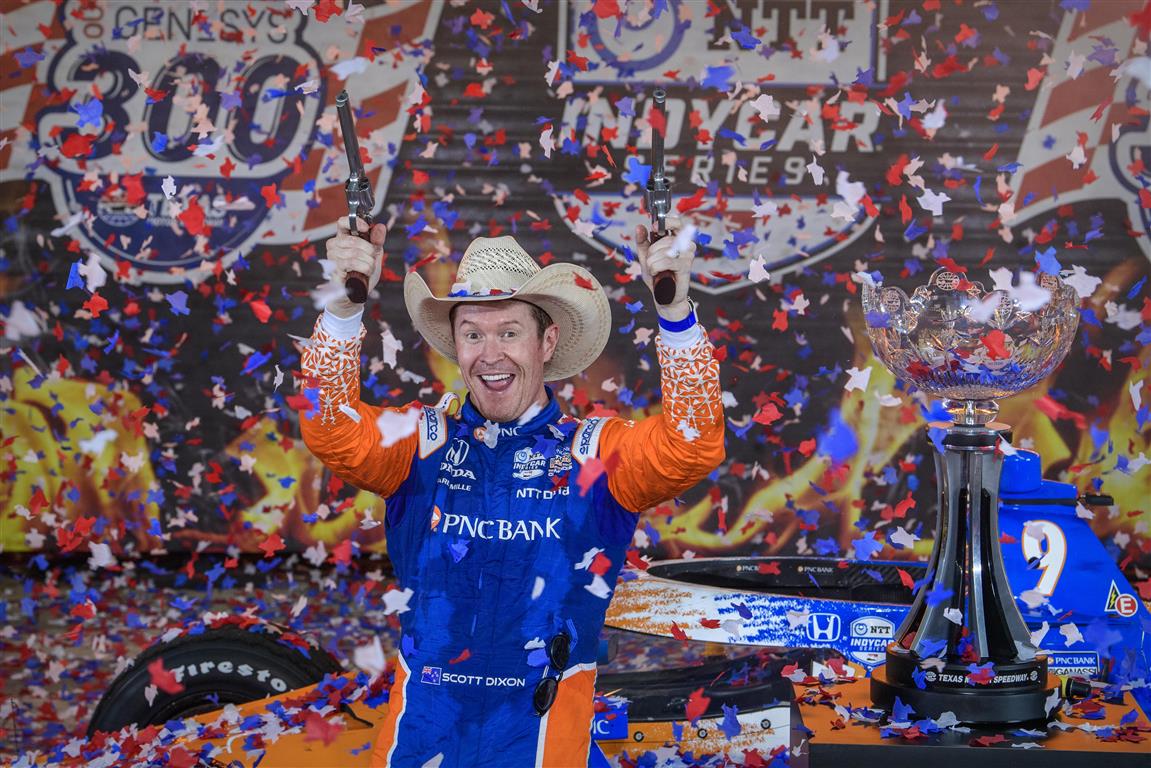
(497, 269)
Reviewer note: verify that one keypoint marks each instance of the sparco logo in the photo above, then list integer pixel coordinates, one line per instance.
(188, 131)
(726, 138)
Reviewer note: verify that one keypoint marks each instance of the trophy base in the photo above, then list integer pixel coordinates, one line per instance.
(969, 705)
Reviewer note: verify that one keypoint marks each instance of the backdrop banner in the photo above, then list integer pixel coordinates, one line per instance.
(171, 171)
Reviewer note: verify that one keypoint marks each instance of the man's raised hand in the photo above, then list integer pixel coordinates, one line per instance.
(667, 255)
(349, 253)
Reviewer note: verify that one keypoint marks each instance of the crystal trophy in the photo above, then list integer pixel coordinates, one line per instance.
(963, 647)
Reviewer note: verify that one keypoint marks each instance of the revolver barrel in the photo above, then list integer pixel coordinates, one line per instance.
(358, 191)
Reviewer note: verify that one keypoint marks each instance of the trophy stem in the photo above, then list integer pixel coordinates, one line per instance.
(972, 412)
(963, 647)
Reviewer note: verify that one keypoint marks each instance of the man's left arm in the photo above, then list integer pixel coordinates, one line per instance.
(660, 457)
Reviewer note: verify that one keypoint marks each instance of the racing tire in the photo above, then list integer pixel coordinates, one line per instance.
(219, 666)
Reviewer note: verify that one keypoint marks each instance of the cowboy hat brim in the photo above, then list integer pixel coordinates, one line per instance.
(567, 292)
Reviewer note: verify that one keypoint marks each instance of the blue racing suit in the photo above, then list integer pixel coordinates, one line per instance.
(506, 541)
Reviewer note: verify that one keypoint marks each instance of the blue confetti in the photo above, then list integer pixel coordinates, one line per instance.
(731, 726)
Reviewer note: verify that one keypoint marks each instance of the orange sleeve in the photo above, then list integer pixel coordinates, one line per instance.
(343, 432)
(660, 457)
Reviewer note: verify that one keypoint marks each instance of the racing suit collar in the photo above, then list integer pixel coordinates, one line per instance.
(549, 414)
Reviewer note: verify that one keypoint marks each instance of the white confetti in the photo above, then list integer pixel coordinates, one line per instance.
(168, 187)
(588, 556)
(816, 171)
(396, 601)
(858, 379)
(599, 587)
(1135, 389)
(490, 433)
(903, 539)
(1071, 634)
(101, 555)
(1028, 294)
(316, 555)
(766, 106)
(1038, 635)
(954, 615)
(392, 345)
(930, 201)
(538, 587)
(797, 619)
(22, 323)
(756, 272)
(1083, 283)
(547, 143)
(354, 66)
(689, 432)
(94, 275)
(683, 240)
(396, 425)
(370, 657)
(1077, 156)
(73, 221)
(96, 444)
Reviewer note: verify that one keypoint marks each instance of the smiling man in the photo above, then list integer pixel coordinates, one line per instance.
(508, 520)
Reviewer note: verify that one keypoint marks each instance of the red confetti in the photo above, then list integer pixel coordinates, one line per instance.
(481, 19)
(96, 304)
(192, 217)
(906, 579)
(326, 9)
(272, 545)
(261, 310)
(696, 705)
(78, 145)
(995, 344)
(319, 728)
(163, 678)
(271, 195)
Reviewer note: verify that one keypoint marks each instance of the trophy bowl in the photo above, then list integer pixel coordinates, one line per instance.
(953, 339)
(963, 647)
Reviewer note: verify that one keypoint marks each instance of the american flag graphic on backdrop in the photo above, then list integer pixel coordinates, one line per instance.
(1088, 133)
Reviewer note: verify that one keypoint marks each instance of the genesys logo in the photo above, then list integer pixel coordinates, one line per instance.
(726, 138)
(181, 134)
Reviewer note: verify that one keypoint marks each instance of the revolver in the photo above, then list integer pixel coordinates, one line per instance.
(659, 200)
(358, 190)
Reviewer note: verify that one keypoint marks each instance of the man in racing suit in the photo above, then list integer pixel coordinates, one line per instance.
(509, 520)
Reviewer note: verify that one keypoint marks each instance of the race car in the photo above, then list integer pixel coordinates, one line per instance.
(242, 692)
